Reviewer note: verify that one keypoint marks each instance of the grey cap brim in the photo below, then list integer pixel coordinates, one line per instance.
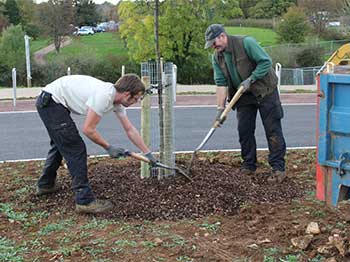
(209, 43)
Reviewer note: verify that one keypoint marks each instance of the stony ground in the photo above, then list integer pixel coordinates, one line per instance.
(219, 216)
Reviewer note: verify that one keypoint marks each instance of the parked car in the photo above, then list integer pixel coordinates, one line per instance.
(100, 29)
(89, 28)
(84, 31)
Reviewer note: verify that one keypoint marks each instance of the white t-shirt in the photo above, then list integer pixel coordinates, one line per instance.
(78, 93)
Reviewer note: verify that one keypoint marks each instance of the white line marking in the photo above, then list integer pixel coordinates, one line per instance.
(155, 107)
(17, 112)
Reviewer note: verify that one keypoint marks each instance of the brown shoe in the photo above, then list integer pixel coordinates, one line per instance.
(47, 190)
(246, 172)
(96, 206)
(277, 176)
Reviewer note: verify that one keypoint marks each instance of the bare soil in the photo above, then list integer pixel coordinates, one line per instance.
(219, 216)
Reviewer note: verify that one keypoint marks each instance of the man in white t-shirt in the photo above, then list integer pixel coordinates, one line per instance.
(84, 95)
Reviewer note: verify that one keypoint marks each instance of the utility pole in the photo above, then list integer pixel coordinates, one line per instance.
(29, 77)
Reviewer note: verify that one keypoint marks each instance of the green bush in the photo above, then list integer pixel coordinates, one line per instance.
(108, 69)
(293, 55)
(293, 27)
(196, 71)
(32, 30)
(12, 55)
(334, 34)
(284, 54)
(311, 56)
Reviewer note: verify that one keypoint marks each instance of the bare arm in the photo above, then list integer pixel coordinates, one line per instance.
(132, 133)
(89, 128)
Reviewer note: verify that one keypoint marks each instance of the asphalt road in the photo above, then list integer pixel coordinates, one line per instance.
(23, 136)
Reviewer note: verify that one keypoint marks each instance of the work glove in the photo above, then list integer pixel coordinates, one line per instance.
(219, 112)
(246, 84)
(116, 152)
(152, 160)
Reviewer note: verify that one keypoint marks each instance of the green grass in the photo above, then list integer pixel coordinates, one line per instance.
(9, 251)
(104, 44)
(38, 44)
(265, 37)
(100, 45)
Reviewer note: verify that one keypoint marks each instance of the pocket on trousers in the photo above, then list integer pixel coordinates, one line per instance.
(67, 133)
(279, 114)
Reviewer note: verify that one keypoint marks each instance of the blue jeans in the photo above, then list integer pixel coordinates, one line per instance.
(65, 142)
(271, 113)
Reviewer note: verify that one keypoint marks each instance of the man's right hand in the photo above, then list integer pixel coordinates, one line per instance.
(219, 112)
(116, 152)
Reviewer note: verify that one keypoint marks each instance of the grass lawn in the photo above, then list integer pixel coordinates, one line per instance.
(265, 37)
(38, 44)
(101, 45)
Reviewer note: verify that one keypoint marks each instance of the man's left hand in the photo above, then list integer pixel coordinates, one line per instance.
(152, 160)
(246, 84)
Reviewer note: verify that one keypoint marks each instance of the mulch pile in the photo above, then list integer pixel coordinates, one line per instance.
(217, 188)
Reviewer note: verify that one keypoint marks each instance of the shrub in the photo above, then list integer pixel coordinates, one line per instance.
(32, 30)
(284, 54)
(293, 27)
(333, 34)
(107, 69)
(195, 71)
(311, 56)
(12, 55)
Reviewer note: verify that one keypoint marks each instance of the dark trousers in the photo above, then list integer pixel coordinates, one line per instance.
(271, 113)
(65, 142)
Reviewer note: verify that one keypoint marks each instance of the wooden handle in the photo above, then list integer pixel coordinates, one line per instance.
(233, 101)
(229, 106)
(139, 157)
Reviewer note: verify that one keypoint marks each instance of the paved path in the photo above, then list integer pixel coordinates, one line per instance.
(40, 54)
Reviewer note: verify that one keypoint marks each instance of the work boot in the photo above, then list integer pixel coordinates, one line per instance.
(277, 176)
(246, 171)
(96, 206)
(47, 190)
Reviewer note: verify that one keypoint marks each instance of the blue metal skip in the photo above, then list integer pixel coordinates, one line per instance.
(334, 133)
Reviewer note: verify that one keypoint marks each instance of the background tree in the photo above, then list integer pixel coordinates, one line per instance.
(319, 11)
(107, 12)
(182, 25)
(12, 12)
(245, 5)
(86, 13)
(29, 20)
(346, 7)
(56, 17)
(3, 19)
(269, 8)
(12, 54)
(224, 10)
(294, 26)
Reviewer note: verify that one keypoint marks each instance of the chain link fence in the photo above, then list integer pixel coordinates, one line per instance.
(299, 76)
(328, 46)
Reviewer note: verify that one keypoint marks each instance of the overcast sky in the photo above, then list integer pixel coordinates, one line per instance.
(96, 1)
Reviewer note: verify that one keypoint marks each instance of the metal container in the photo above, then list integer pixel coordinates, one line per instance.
(333, 137)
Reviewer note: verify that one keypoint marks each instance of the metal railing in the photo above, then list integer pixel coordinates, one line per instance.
(298, 76)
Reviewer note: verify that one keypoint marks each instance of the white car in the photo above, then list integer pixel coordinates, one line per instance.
(84, 31)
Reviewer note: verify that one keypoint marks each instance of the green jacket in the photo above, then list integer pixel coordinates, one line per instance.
(243, 58)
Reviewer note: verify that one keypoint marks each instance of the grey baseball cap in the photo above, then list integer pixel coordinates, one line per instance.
(211, 33)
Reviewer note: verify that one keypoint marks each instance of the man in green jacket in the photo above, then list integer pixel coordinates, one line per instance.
(240, 61)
